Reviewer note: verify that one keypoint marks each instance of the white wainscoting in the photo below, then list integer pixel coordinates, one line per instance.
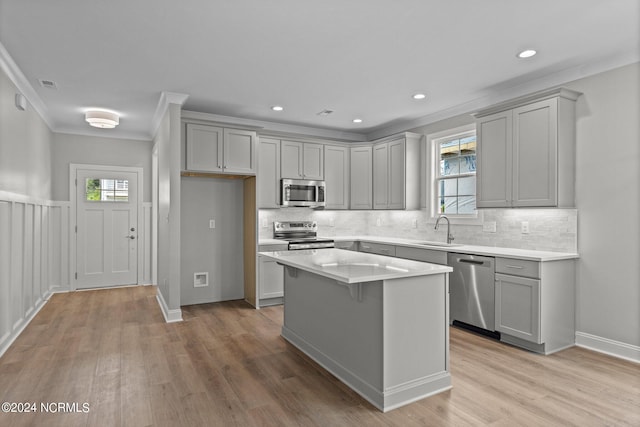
(34, 259)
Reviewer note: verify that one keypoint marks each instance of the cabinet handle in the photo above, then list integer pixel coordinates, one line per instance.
(366, 247)
(517, 267)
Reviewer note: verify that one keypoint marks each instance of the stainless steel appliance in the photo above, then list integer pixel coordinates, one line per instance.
(298, 192)
(472, 292)
(300, 235)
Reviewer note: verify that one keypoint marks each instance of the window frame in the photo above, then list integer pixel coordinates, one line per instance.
(432, 162)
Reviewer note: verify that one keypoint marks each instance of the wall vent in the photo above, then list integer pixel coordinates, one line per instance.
(200, 280)
(325, 112)
(49, 84)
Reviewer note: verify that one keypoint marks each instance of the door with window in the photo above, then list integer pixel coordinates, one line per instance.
(107, 228)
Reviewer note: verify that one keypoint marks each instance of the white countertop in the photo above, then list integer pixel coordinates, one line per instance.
(354, 267)
(525, 254)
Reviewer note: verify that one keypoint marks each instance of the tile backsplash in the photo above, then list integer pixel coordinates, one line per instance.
(549, 229)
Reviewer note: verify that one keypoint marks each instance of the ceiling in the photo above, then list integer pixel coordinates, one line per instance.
(359, 58)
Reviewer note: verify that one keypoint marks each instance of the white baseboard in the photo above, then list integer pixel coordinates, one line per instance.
(608, 346)
(170, 316)
(20, 325)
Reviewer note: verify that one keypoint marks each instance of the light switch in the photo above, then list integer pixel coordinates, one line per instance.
(212, 223)
(489, 227)
(265, 223)
(331, 222)
(415, 223)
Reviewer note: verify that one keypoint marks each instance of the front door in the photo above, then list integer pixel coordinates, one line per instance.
(107, 228)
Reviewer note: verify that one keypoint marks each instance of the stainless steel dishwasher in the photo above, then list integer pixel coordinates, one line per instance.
(472, 292)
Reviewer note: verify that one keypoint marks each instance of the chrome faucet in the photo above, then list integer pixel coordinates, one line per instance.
(449, 235)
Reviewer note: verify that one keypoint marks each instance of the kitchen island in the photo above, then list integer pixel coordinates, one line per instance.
(377, 323)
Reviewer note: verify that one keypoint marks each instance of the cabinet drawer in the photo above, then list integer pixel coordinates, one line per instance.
(424, 255)
(377, 248)
(349, 245)
(518, 267)
(273, 247)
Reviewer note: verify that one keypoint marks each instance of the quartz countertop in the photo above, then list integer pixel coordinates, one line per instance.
(525, 254)
(354, 267)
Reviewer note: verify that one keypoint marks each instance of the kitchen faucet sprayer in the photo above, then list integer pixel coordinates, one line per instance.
(449, 235)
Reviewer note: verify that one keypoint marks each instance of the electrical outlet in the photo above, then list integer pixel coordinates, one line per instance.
(379, 222)
(415, 223)
(331, 222)
(265, 223)
(524, 227)
(212, 223)
(489, 227)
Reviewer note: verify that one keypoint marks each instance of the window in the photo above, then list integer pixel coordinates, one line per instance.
(453, 177)
(107, 190)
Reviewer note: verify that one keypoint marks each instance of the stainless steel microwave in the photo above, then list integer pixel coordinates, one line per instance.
(299, 192)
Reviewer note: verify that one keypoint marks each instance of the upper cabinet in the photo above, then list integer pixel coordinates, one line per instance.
(526, 152)
(396, 172)
(301, 160)
(268, 179)
(361, 177)
(220, 150)
(336, 173)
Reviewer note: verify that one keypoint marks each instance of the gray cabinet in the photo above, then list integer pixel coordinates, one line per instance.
(361, 181)
(268, 179)
(424, 255)
(220, 150)
(396, 172)
(270, 284)
(526, 153)
(535, 303)
(349, 245)
(301, 160)
(336, 173)
(377, 248)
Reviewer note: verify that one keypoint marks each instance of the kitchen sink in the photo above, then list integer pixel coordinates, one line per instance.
(442, 244)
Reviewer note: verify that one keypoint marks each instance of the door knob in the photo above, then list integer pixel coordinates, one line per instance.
(130, 237)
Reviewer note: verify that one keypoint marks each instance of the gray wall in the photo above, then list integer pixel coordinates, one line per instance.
(25, 147)
(216, 251)
(82, 149)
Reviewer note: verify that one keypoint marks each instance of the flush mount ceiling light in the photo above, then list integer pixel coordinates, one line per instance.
(102, 119)
(527, 53)
(419, 96)
(277, 108)
(357, 120)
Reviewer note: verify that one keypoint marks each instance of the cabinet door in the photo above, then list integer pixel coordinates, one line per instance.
(336, 172)
(313, 161)
(494, 160)
(361, 178)
(291, 159)
(397, 174)
(239, 151)
(271, 278)
(204, 148)
(535, 147)
(518, 307)
(380, 176)
(269, 173)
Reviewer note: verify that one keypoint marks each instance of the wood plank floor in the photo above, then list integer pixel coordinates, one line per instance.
(226, 365)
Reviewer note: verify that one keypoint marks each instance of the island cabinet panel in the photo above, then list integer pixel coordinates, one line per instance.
(386, 339)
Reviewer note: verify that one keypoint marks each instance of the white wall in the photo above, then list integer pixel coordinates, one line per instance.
(217, 251)
(91, 150)
(607, 198)
(34, 246)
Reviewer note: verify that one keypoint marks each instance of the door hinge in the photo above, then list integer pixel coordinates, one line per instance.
(76, 276)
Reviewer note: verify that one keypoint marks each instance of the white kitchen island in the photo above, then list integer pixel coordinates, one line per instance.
(379, 324)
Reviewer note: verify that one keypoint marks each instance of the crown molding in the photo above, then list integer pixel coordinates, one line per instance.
(21, 82)
(506, 94)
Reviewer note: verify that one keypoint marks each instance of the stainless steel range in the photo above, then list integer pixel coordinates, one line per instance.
(300, 235)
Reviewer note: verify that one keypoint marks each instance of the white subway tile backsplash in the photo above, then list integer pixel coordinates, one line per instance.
(549, 229)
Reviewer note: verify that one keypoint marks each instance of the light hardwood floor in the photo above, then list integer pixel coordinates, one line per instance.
(227, 365)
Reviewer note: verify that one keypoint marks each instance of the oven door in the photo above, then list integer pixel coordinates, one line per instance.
(296, 192)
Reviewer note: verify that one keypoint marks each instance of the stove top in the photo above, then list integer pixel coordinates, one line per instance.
(300, 235)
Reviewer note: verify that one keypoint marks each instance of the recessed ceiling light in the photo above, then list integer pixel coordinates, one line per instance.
(357, 120)
(102, 119)
(527, 53)
(419, 96)
(277, 108)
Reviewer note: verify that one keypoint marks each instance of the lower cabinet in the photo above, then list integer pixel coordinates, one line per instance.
(424, 255)
(270, 281)
(535, 304)
(377, 248)
(518, 307)
(349, 245)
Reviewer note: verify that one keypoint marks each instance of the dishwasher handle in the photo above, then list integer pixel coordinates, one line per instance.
(471, 261)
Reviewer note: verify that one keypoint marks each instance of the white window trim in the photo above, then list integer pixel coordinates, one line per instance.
(431, 178)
